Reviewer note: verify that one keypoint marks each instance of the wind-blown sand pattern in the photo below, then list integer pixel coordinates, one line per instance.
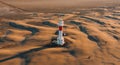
(92, 34)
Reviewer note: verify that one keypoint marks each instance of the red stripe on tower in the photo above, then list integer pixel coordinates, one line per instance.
(60, 28)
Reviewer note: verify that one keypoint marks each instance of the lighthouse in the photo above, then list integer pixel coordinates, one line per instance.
(60, 38)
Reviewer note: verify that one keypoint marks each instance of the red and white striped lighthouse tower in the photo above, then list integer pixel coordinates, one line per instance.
(60, 39)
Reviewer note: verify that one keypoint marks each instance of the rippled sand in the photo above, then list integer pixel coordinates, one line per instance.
(92, 36)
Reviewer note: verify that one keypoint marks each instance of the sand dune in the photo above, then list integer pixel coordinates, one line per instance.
(92, 34)
(53, 5)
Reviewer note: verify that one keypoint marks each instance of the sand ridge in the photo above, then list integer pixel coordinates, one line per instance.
(93, 37)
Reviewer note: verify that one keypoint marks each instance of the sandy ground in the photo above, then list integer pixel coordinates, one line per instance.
(92, 34)
(60, 5)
